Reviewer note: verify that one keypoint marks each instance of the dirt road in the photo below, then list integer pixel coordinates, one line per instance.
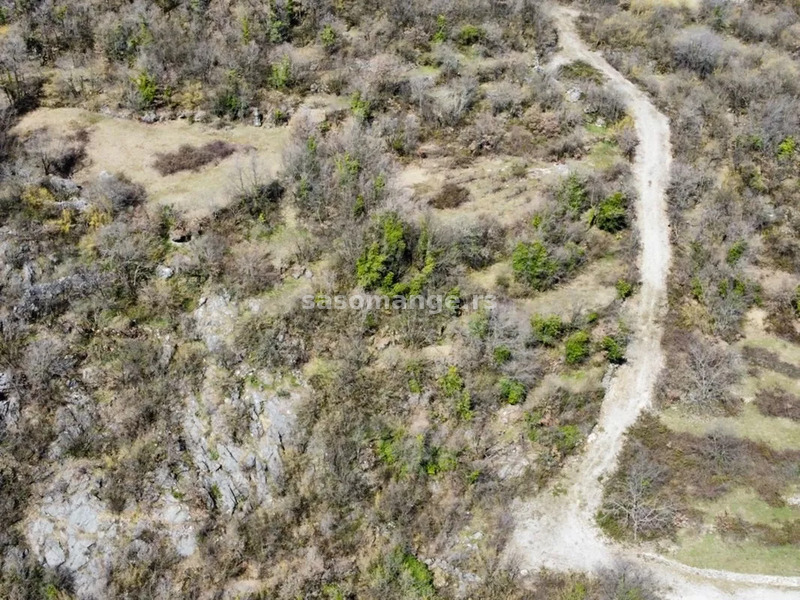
(557, 528)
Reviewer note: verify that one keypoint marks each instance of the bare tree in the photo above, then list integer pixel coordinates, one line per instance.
(634, 502)
(711, 369)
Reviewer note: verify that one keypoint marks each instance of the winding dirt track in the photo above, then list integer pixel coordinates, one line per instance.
(557, 529)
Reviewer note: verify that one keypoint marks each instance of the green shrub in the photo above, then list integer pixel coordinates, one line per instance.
(281, 74)
(381, 263)
(547, 330)
(611, 214)
(441, 30)
(470, 34)
(614, 349)
(452, 386)
(576, 348)
(796, 301)
(624, 289)
(512, 391)
(464, 406)
(419, 574)
(438, 461)
(451, 383)
(567, 438)
(787, 148)
(329, 38)
(479, 325)
(736, 252)
(533, 266)
(360, 107)
(147, 88)
(501, 355)
(572, 194)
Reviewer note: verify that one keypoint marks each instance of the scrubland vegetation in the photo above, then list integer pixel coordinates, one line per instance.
(140, 347)
(165, 365)
(725, 73)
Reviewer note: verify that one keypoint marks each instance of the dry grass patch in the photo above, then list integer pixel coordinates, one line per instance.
(129, 147)
(777, 433)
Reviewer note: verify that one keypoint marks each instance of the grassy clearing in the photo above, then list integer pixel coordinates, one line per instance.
(746, 504)
(604, 155)
(493, 189)
(781, 434)
(711, 551)
(127, 146)
(592, 290)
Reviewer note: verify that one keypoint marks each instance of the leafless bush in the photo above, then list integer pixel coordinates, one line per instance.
(448, 61)
(506, 97)
(754, 27)
(627, 140)
(703, 373)
(46, 359)
(118, 192)
(342, 177)
(485, 135)
(605, 103)
(251, 268)
(128, 252)
(451, 195)
(687, 184)
(569, 146)
(699, 50)
(56, 156)
(776, 402)
(625, 580)
(777, 119)
(191, 158)
(401, 132)
(724, 450)
(452, 103)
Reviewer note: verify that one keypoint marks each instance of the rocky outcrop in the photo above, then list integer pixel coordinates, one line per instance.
(71, 528)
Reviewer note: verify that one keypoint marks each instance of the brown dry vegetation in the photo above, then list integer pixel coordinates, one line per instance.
(142, 310)
(191, 158)
(725, 73)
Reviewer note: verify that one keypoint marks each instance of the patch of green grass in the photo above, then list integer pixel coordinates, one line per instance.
(582, 71)
(748, 505)
(780, 434)
(593, 128)
(711, 551)
(604, 155)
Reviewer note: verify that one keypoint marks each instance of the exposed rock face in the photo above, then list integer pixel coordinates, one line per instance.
(231, 439)
(235, 439)
(9, 403)
(574, 94)
(71, 528)
(239, 469)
